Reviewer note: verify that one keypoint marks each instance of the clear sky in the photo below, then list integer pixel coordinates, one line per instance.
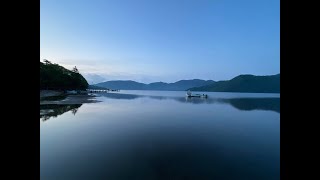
(162, 40)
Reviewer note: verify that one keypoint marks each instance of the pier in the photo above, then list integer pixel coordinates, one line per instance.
(102, 90)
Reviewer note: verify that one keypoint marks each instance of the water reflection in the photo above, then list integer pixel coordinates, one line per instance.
(53, 110)
(248, 104)
(163, 136)
(245, 104)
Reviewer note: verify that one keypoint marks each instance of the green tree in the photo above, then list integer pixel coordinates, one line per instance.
(54, 76)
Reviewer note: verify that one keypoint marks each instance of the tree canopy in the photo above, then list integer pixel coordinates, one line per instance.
(54, 77)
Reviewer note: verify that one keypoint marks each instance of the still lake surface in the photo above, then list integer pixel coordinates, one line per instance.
(162, 135)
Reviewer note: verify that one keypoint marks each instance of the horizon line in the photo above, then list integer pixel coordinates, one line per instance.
(185, 79)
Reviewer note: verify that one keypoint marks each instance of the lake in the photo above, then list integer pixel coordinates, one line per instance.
(162, 135)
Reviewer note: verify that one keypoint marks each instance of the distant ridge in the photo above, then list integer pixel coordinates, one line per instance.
(96, 87)
(133, 85)
(245, 83)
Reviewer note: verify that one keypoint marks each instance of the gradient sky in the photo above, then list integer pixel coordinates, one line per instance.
(162, 40)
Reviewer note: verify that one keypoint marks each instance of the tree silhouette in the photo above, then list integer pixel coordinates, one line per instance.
(54, 76)
(75, 69)
(74, 111)
(46, 61)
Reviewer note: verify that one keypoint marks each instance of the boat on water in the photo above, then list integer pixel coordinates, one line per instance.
(189, 94)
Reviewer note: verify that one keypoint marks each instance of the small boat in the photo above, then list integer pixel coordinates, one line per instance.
(189, 94)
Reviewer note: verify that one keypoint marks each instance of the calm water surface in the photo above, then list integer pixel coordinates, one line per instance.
(162, 135)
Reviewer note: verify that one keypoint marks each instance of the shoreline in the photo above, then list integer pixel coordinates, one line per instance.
(50, 93)
(61, 98)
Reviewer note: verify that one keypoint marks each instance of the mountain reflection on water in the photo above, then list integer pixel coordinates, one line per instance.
(243, 103)
(53, 110)
(162, 135)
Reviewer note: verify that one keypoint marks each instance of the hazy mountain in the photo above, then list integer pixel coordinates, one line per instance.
(124, 85)
(132, 85)
(93, 78)
(96, 87)
(245, 83)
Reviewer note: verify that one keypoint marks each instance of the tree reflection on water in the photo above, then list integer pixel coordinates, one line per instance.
(53, 110)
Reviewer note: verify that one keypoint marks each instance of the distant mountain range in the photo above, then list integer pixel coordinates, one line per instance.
(177, 86)
(97, 87)
(241, 83)
(245, 83)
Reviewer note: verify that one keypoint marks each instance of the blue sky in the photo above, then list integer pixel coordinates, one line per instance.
(162, 40)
